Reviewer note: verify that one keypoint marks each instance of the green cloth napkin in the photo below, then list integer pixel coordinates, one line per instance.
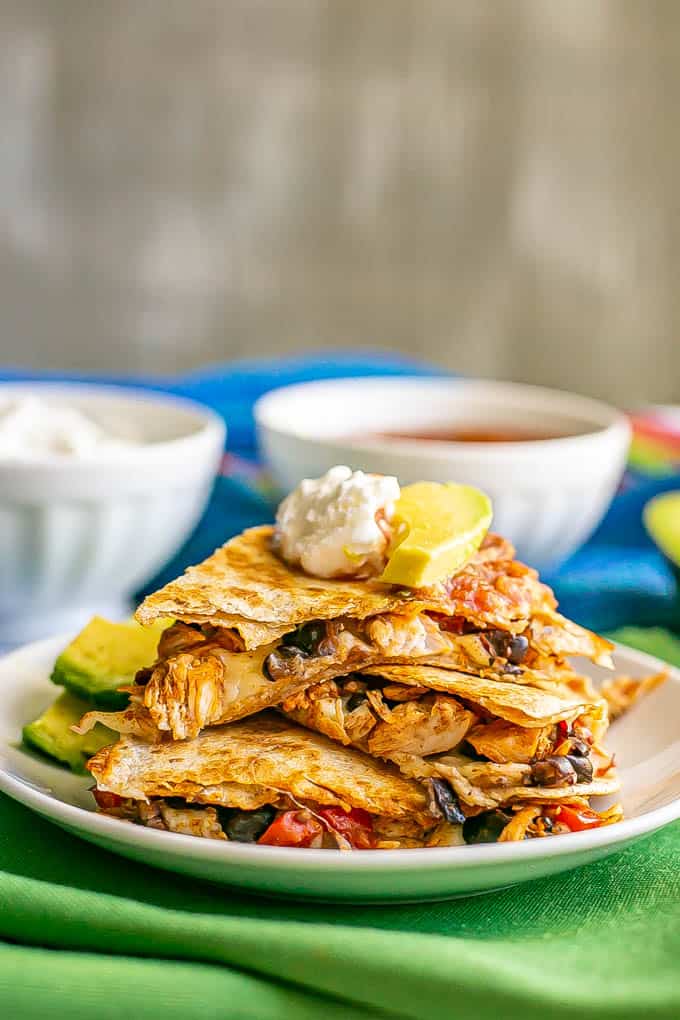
(91, 935)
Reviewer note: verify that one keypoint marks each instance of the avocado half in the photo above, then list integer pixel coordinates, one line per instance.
(51, 733)
(661, 518)
(104, 657)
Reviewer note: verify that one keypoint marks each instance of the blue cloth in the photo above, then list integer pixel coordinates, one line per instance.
(617, 578)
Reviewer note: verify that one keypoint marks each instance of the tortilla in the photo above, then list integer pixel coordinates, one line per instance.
(550, 633)
(554, 794)
(487, 785)
(253, 762)
(517, 703)
(245, 582)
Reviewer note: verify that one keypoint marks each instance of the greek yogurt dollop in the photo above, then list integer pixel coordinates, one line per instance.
(338, 525)
(32, 428)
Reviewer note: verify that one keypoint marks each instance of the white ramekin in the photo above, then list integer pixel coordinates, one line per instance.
(548, 495)
(80, 536)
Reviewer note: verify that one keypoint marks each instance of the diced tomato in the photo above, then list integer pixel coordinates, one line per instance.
(563, 728)
(355, 825)
(292, 828)
(579, 819)
(107, 801)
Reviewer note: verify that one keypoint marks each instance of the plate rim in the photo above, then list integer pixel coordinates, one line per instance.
(177, 845)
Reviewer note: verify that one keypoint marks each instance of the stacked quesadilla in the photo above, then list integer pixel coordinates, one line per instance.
(293, 710)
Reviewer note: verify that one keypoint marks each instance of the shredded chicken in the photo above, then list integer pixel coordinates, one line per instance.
(322, 710)
(192, 821)
(502, 741)
(432, 725)
(134, 720)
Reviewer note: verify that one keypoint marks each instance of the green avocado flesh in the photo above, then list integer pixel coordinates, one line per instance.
(51, 733)
(442, 526)
(662, 520)
(104, 657)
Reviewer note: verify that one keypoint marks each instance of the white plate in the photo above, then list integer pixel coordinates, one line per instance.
(646, 742)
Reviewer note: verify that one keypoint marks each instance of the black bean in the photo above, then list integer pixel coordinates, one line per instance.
(281, 662)
(512, 670)
(289, 652)
(447, 802)
(245, 826)
(499, 641)
(512, 647)
(583, 767)
(556, 770)
(517, 648)
(579, 748)
(486, 827)
(307, 637)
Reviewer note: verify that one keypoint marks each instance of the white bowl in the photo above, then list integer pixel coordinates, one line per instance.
(80, 536)
(548, 495)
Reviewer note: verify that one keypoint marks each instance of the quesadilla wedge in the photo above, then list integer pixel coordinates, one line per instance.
(253, 631)
(246, 587)
(263, 763)
(266, 780)
(246, 580)
(200, 681)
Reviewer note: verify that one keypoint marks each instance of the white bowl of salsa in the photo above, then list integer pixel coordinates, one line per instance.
(551, 461)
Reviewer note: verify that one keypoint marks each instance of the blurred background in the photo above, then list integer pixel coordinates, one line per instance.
(491, 186)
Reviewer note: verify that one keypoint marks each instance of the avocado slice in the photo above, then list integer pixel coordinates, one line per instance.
(661, 517)
(104, 657)
(439, 527)
(51, 734)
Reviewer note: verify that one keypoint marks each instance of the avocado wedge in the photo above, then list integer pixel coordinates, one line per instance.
(51, 734)
(442, 526)
(104, 657)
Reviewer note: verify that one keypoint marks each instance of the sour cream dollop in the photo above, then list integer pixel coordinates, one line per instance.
(338, 525)
(32, 428)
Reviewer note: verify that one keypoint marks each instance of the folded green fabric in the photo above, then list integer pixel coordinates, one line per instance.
(91, 935)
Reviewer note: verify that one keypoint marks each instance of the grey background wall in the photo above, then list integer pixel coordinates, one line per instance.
(490, 184)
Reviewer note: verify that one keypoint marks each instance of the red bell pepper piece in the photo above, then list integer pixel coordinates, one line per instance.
(107, 801)
(579, 819)
(292, 828)
(355, 825)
